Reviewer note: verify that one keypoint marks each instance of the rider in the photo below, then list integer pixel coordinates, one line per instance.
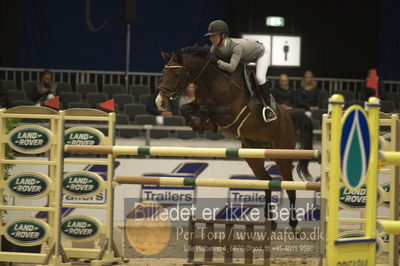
(243, 51)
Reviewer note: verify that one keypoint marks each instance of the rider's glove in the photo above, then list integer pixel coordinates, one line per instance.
(212, 58)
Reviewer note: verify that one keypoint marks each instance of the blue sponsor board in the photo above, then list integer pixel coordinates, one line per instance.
(169, 195)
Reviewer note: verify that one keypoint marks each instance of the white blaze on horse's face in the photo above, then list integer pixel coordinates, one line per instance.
(162, 102)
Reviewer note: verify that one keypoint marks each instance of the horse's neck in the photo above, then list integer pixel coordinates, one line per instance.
(218, 87)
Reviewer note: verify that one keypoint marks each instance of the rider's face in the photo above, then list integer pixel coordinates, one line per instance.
(215, 39)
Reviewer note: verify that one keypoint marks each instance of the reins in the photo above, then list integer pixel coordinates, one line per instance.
(173, 93)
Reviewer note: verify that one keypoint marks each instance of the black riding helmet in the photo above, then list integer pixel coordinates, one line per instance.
(217, 26)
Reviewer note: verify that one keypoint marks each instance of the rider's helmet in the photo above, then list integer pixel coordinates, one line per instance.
(217, 26)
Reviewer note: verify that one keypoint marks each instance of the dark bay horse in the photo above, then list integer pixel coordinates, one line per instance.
(222, 102)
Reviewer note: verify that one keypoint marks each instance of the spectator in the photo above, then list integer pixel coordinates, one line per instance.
(45, 89)
(4, 99)
(308, 96)
(189, 97)
(283, 94)
(151, 106)
(369, 92)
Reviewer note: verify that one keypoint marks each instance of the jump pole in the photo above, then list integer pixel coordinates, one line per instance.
(194, 152)
(211, 182)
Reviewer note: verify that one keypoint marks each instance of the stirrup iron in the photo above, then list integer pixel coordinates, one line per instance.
(268, 119)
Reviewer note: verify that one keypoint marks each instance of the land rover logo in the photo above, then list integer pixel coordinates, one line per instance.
(83, 136)
(386, 188)
(29, 185)
(82, 184)
(30, 139)
(351, 234)
(355, 199)
(80, 228)
(26, 231)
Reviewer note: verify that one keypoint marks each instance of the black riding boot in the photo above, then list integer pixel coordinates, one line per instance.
(267, 112)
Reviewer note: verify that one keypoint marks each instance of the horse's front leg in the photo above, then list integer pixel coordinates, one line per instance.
(205, 113)
(188, 111)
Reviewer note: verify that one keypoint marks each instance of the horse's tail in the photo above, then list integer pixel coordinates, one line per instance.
(304, 130)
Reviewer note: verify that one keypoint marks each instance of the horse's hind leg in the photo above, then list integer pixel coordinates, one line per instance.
(285, 168)
(257, 166)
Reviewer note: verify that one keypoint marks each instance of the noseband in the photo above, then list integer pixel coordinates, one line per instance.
(173, 93)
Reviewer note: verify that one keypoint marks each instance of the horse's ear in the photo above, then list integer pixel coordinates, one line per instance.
(166, 56)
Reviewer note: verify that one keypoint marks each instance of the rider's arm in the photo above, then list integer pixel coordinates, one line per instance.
(235, 59)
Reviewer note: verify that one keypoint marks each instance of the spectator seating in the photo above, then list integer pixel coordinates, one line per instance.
(134, 109)
(174, 120)
(95, 98)
(63, 87)
(137, 90)
(21, 103)
(9, 85)
(358, 102)
(317, 114)
(28, 87)
(159, 134)
(84, 89)
(387, 106)
(395, 98)
(113, 89)
(348, 95)
(325, 104)
(143, 99)
(122, 119)
(145, 119)
(69, 97)
(15, 95)
(186, 135)
(122, 99)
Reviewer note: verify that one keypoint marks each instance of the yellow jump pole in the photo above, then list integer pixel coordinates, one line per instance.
(335, 103)
(389, 226)
(390, 157)
(211, 182)
(195, 152)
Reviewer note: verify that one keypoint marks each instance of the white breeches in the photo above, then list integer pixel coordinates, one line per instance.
(262, 65)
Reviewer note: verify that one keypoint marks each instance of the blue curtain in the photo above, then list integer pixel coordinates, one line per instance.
(389, 41)
(54, 34)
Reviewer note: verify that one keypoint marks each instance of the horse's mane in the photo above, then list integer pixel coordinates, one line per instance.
(195, 50)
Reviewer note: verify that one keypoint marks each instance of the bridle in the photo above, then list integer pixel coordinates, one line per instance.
(172, 93)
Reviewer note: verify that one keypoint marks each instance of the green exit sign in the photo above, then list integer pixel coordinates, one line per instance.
(275, 21)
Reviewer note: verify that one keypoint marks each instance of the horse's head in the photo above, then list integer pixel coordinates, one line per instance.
(175, 77)
(182, 68)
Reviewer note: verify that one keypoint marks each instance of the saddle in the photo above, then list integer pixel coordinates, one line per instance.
(250, 83)
(249, 79)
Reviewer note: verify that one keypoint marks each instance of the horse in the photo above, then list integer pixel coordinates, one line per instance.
(222, 104)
